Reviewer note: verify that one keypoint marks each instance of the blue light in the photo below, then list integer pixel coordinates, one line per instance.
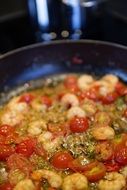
(42, 13)
(76, 13)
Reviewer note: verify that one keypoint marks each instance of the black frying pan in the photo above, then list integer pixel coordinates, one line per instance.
(40, 60)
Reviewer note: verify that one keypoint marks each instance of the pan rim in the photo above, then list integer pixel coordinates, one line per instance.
(43, 44)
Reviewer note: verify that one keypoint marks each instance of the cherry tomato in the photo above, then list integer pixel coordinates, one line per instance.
(26, 147)
(92, 94)
(104, 151)
(6, 186)
(6, 151)
(46, 100)
(112, 166)
(121, 89)
(79, 124)
(6, 130)
(27, 98)
(61, 159)
(11, 138)
(120, 155)
(2, 139)
(76, 166)
(70, 83)
(18, 161)
(96, 173)
(109, 98)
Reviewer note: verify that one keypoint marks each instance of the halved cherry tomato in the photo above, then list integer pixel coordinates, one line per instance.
(76, 166)
(112, 166)
(11, 138)
(18, 161)
(120, 155)
(96, 173)
(79, 124)
(27, 98)
(61, 159)
(6, 130)
(109, 98)
(6, 186)
(26, 147)
(6, 151)
(46, 100)
(104, 151)
(70, 83)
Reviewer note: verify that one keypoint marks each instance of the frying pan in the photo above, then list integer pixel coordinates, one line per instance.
(41, 60)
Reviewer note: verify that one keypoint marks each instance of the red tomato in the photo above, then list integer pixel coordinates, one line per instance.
(46, 100)
(121, 89)
(112, 166)
(91, 94)
(104, 151)
(6, 186)
(18, 161)
(70, 83)
(2, 139)
(96, 173)
(11, 138)
(61, 159)
(79, 124)
(76, 166)
(120, 155)
(109, 98)
(6, 130)
(27, 98)
(6, 151)
(26, 147)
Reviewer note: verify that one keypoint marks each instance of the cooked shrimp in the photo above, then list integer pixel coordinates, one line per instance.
(11, 118)
(124, 171)
(85, 81)
(70, 99)
(36, 127)
(17, 106)
(75, 111)
(50, 143)
(113, 181)
(25, 184)
(14, 112)
(53, 178)
(112, 79)
(75, 181)
(103, 133)
(105, 87)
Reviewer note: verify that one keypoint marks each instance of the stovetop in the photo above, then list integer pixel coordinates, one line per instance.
(16, 28)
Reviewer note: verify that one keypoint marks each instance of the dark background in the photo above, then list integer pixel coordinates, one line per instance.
(108, 23)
